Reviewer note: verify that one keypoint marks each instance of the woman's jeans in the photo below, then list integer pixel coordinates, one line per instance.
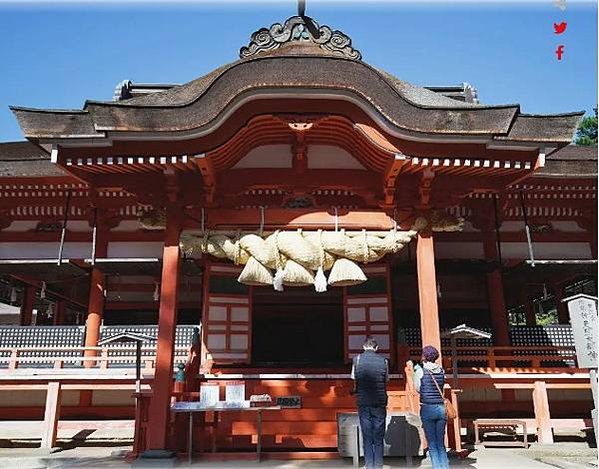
(372, 424)
(434, 421)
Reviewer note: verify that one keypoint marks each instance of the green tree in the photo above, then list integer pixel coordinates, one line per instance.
(586, 134)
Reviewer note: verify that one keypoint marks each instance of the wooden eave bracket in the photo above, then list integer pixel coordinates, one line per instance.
(425, 188)
(390, 177)
(539, 163)
(208, 176)
(299, 149)
(172, 186)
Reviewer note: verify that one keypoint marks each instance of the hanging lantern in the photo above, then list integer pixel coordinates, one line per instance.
(13, 295)
(43, 291)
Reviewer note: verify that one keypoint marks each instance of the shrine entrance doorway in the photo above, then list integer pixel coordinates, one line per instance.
(297, 328)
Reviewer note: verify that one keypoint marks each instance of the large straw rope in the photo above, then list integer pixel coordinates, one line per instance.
(295, 255)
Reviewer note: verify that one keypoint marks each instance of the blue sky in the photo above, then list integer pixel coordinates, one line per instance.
(58, 55)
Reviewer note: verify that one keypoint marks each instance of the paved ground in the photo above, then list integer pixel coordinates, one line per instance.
(87, 444)
(111, 456)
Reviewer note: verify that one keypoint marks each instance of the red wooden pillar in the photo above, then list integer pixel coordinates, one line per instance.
(51, 415)
(529, 309)
(540, 401)
(167, 322)
(59, 314)
(95, 308)
(27, 307)
(427, 290)
(562, 308)
(593, 242)
(499, 320)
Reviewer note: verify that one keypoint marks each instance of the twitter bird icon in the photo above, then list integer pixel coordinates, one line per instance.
(561, 4)
(560, 28)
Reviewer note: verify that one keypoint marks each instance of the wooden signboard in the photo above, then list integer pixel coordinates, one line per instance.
(583, 317)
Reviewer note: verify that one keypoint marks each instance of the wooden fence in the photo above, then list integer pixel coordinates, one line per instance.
(506, 357)
(58, 357)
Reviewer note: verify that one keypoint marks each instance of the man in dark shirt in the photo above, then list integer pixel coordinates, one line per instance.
(371, 373)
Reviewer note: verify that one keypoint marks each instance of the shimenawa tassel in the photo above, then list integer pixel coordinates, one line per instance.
(320, 281)
(277, 281)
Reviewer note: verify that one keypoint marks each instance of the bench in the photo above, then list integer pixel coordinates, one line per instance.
(506, 427)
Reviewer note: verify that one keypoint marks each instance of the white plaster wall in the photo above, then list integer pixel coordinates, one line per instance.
(139, 279)
(480, 394)
(567, 226)
(21, 225)
(44, 250)
(267, 156)
(116, 295)
(546, 250)
(128, 225)
(112, 398)
(330, 157)
(22, 399)
(457, 250)
(512, 226)
(79, 226)
(134, 249)
(563, 225)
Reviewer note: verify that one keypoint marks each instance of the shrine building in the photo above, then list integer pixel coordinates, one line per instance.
(260, 221)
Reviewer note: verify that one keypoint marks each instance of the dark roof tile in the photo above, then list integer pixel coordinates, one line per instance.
(24, 159)
(11, 151)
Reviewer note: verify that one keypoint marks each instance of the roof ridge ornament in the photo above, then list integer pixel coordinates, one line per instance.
(301, 8)
(300, 29)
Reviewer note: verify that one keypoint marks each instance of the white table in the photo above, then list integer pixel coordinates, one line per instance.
(194, 407)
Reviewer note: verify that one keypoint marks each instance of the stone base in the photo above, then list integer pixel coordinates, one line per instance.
(156, 458)
(594, 417)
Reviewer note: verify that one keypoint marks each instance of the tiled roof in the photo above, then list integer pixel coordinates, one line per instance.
(196, 105)
(24, 159)
(571, 161)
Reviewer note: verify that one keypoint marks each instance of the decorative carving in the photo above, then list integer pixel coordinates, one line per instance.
(5, 219)
(300, 29)
(107, 219)
(482, 212)
(48, 227)
(442, 221)
(152, 219)
(541, 226)
(300, 126)
(437, 220)
(298, 202)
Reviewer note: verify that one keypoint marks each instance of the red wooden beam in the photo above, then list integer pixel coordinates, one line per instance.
(390, 177)
(298, 218)
(208, 176)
